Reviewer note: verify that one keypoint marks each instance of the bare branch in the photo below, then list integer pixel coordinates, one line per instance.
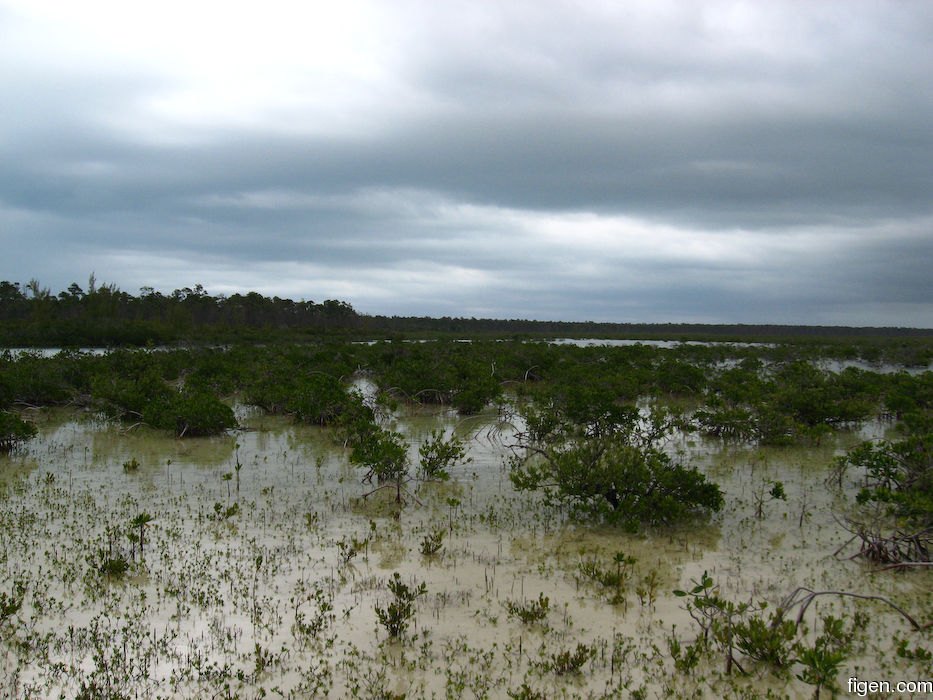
(791, 601)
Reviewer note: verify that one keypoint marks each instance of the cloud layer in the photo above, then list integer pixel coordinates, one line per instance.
(645, 161)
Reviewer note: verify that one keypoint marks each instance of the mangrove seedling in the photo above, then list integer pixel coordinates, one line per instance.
(530, 612)
(822, 661)
(384, 455)
(438, 455)
(111, 565)
(452, 504)
(349, 547)
(568, 662)
(237, 466)
(224, 513)
(11, 604)
(433, 542)
(612, 579)
(717, 617)
(763, 495)
(647, 589)
(141, 522)
(396, 616)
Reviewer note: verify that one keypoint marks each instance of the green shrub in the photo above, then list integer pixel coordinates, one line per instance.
(190, 413)
(14, 431)
(438, 455)
(317, 398)
(568, 662)
(396, 616)
(531, 611)
(897, 490)
(433, 542)
(603, 460)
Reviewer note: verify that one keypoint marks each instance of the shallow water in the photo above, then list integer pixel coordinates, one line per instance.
(266, 578)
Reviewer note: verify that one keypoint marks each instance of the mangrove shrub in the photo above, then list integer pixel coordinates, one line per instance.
(605, 459)
(14, 431)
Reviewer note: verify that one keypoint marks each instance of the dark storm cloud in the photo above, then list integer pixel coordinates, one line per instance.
(659, 161)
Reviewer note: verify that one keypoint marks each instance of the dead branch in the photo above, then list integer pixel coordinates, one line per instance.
(845, 544)
(804, 602)
(393, 486)
(905, 565)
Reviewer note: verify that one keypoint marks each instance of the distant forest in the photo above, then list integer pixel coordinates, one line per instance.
(103, 315)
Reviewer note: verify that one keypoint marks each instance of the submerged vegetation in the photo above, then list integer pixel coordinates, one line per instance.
(513, 518)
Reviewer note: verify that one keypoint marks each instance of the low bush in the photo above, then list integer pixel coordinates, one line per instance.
(14, 431)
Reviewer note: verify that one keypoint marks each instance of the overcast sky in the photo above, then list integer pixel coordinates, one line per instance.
(633, 161)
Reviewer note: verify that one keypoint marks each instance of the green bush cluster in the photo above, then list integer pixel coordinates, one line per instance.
(462, 375)
(604, 458)
(786, 403)
(766, 394)
(743, 634)
(14, 431)
(896, 521)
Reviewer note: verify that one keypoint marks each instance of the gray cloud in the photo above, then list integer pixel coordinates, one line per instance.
(748, 162)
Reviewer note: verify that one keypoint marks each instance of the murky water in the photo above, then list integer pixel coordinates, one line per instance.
(262, 568)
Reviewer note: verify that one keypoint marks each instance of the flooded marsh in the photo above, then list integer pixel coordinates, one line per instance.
(139, 565)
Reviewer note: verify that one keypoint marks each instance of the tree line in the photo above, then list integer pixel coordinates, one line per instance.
(104, 315)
